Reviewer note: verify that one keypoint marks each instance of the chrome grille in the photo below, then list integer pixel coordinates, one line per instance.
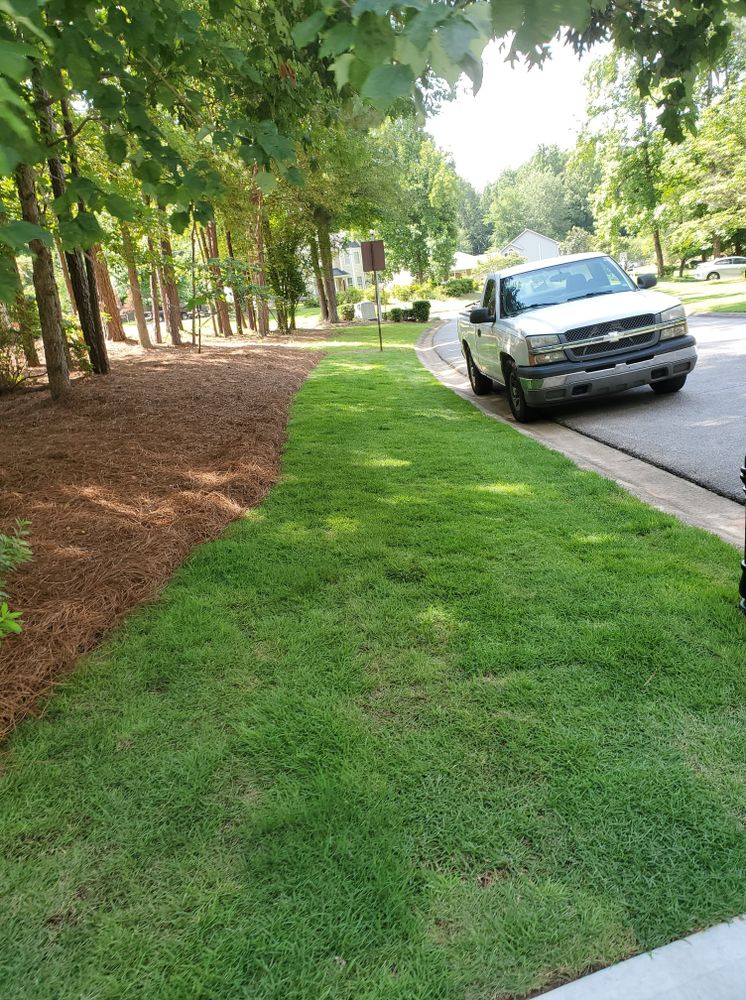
(608, 346)
(601, 329)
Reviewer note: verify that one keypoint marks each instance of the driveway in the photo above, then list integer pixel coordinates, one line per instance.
(698, 433)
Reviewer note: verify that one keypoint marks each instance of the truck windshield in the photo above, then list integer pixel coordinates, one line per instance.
(551, 286)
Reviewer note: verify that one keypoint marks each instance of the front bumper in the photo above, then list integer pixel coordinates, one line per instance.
(549, 385)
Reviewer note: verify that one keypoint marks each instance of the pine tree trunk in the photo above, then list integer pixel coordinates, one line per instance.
(224, 319)
(134, 283)
(262, 305)
(170, 290)
(327, 268)
(66, 274)
(154, 297)
(316, 266)
(47, 297)
(82, 283)
(205, 257)
(107, 297)
(236, 296)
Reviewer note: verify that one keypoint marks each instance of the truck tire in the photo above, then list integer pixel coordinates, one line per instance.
(520, 409)
(668, 384)
(480, 384)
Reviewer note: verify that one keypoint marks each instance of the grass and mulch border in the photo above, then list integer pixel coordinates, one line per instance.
(120, 483)
(723, 296)
(444, 716)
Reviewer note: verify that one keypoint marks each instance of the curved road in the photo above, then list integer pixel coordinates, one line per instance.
(698, 433)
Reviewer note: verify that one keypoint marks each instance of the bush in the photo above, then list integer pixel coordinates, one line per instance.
(348, 312)
(396, 315)
(349, 295)
(383, 294)
(459, 286)
(76, 347)
(311, 301)
(14, 550)
(420, 311)
(13, 367)
(402, 293)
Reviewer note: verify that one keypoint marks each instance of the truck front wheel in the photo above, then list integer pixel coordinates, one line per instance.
(480, 384)
(520, 409)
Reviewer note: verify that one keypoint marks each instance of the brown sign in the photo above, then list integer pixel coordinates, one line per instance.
(373, 257)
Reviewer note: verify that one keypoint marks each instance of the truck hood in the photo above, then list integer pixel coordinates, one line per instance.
(584, 312)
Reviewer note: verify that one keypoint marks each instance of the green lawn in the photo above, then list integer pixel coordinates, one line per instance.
(445, 717)
(707, 296)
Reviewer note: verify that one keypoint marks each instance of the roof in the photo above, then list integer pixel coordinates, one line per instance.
(339, 273)
(540, 235)
(463, 261)
(537, 265)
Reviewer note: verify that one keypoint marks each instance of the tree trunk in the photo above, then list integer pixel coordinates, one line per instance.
(236, 296)
(658, 251)
(107, 297)
(66, 274)
(717, 247)
(262, 305)
(171, 303)
(314, 247)
(224, 319)
(47, 297)
(681, 267)
(327, 268)
(79, 274)
(134, 282)
(205, 257)
(155, 300)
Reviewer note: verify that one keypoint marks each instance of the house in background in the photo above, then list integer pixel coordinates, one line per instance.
(532, 245)
(464, 264)
(347, 264)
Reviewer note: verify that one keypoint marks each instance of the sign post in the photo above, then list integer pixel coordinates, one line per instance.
(374, 260)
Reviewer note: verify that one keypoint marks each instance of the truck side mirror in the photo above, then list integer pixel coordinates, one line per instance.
(646, 280)
(480, 315)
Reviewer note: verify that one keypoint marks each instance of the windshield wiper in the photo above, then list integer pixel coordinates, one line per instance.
(591, 295)
(536, 305)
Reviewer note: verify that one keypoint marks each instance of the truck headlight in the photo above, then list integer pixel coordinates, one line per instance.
(538, 353)
(676, 317)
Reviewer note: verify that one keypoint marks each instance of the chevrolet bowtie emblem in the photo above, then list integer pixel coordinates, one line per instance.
(615, 334)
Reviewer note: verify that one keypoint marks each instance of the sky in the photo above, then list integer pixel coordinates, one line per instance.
(515, 111)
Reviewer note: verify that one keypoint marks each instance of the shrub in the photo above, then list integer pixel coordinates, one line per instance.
(383, 294)
(396, 315)
(402, 293)
(76, 347)
(311, 301)
(349, 295)
(348, 312)
(14, 550)
(420, 311)
(13, 367)
(459, 286)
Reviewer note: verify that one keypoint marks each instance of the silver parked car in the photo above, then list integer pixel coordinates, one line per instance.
(721, 267)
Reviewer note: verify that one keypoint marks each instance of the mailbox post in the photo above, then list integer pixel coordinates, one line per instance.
(374, 260)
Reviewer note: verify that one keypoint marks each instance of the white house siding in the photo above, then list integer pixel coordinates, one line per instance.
(532, 246)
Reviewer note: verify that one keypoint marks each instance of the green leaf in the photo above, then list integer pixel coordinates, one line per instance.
(386, 84)
(18, 233)
(295, 176)
(8, 279)
(120, 207)
(338, 39)
(115, 146)
(179, 221)
(381, 7)
(265, 182)
(341, 69)
(14, 59)
(81, 232)
(305, 32)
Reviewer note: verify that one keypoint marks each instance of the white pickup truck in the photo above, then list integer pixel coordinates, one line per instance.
(570, 328)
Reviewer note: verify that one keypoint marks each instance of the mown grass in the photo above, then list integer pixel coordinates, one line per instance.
(445, 717)
(708, 296)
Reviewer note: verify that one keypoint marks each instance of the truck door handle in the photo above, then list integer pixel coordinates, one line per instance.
(479, 332)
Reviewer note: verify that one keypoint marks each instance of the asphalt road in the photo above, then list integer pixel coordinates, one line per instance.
(698, 433)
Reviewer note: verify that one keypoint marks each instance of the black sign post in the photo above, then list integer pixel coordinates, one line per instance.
(742, 587)
(374, 260)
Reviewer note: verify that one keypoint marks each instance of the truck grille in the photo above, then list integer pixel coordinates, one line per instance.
(601, 329)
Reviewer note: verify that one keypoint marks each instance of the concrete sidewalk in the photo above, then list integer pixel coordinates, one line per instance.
(438, 351)
(710, 965)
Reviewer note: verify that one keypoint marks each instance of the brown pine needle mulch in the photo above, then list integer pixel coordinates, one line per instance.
(121, 482)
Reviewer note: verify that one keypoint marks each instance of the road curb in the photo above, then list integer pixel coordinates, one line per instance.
(692, 504)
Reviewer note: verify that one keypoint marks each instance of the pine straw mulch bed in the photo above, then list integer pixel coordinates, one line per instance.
(122, 481)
